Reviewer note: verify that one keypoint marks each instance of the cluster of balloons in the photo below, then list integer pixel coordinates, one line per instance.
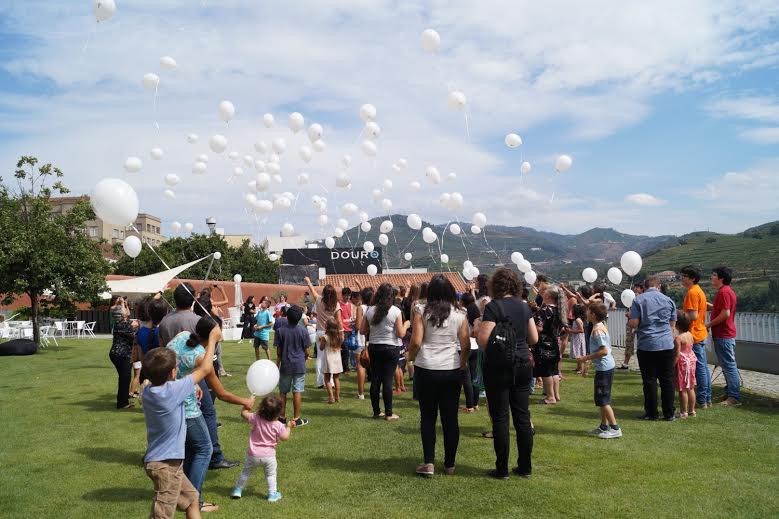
(631, 264)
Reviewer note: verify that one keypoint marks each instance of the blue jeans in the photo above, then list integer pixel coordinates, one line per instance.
(209, 415)
(726, 354)
(702, 375)
(197, 453)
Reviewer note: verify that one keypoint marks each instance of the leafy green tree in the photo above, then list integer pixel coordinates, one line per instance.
(42, 251)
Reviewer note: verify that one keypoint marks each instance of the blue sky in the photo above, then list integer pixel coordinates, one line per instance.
(669, 109)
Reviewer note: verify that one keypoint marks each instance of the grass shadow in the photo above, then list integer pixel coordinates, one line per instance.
(403, 466)
(103, 404)
(112, 455)
(118, 495)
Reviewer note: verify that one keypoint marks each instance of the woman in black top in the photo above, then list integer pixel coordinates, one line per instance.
(248, 319)
(471, 391)
(121, 353)
(508, 387)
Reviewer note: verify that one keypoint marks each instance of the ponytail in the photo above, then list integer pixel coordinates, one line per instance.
(202, 330)
(194, 340)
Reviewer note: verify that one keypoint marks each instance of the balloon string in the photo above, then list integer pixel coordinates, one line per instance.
(154, 105)
(208, 272)
(467, 128)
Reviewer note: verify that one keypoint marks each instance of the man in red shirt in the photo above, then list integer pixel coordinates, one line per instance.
(723, 331)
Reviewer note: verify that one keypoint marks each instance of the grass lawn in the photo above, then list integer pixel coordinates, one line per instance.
(66, 452)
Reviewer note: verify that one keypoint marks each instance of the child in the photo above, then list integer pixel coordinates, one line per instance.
(547, 351)
(578, 344)
(330, 343)
(292, 354)
(685, 366)
(166, 431)
(600, 355)
(264, 320)
(265, 435)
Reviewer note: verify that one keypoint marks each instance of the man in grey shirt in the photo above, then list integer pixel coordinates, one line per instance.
(185, 320)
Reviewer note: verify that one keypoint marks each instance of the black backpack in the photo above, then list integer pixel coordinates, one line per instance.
(502, 352)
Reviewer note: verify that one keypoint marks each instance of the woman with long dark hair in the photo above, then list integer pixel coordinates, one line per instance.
(383, 322)
(249, 309)
(366, 296)
(439, 328)
(327, 309)
(468, 304)
(508, 385)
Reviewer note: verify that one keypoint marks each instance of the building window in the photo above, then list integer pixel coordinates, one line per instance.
(92, 232)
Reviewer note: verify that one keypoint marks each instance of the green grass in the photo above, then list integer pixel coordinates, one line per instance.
(67, 453)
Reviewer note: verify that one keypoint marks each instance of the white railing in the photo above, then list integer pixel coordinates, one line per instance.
(752, 327)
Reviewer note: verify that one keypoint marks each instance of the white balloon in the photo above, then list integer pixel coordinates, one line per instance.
(372, 270)
(563, 163)
(369, 148)
(467, 264)
(367, 112)
(433, 175)
(323, 220)
(475, 229)
(199, 168)
(467, 274)
(306, 153)
(524, 266)
(516, 257)
(250, 198)
(402, 163)
(279, 145)
(103, 9)
(238, 171)
(188, 227)
(530, 277)
(133, 164)
(368, 246)
(343, 180)
(287, 230)
(386, 185)
(296, 122)
(349, 208)
(156, 153)
(429, 237)
(456, 100)
(386, 204)
(150, 81)
(346, 160)
(614, 275)
(262, 182)
(262, 377)
(627, 296)
(414, 221)
(444, 258)
(475, 272)
(303, 179)
(430, 41)
(383, 239)
(376, 194)
(263, 206)
(342, 224)
(479, 219)
(268, 120)
(451, 177)
(233, 155)
(315, 132)
(277, 179)
(115, 202)
(445, 199)
(329, 242)
(454, 229)
(273, 168)
(169, 194)
(168, 63)
(319, 145)
(407, 256)
(237, 278)
(282, 203)
(513, 140)
(132, 246)
(525, 168)
(261, 146)
(415, 186)
(589, 275)
(365, 226)
(372, 130)
(175, 226)
(192, 138)
(248, 161)
(631, 263)
(217, 255)
(202, 158)
(396, 168)
(364, 217)
(217, 143)
(338, 233)
(226, 111)
(386, 226)
(273, 256)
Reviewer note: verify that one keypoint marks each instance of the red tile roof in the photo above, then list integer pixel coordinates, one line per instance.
(366, 280)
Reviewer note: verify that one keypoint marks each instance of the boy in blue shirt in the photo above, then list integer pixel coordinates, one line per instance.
(166, 430)
(599, 348)
(293, 343)
(262, 329)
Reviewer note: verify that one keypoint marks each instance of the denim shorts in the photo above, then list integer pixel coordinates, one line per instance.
(294, 383)
(603, 380)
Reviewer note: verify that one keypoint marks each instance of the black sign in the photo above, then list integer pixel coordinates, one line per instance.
(334, 261)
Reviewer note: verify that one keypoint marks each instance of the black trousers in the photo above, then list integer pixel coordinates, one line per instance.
(384, 360)
(657, 366)
(124, 368)
(504, 393)
(469, 375)
(439, 391)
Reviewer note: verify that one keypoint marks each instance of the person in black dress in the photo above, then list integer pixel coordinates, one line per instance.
(249, 309)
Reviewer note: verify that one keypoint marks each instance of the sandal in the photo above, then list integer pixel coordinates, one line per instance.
(208, 507)
(487, 434)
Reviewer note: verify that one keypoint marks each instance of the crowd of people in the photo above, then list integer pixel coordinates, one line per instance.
(500, 341)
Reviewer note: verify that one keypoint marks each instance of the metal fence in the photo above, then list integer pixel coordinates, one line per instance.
(751, 327)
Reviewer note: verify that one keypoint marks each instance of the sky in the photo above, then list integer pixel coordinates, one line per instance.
(669, 110)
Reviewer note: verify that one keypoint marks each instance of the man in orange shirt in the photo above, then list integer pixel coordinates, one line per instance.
(695, 308)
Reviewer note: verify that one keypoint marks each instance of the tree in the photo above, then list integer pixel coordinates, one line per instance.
(41, 251)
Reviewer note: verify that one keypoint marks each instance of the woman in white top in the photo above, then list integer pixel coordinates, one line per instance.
(383, 323)
(439, 329)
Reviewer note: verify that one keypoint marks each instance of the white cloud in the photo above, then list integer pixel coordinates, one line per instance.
(755, 108)
(644, 199)
(750, 193)
(768, 135)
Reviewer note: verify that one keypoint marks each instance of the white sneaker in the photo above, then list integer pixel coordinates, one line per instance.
(595, 432)
(610, 433)
(360, 397)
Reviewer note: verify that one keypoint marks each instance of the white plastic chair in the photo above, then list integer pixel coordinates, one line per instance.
(59, 327)
(47, 333)
(89, 329)
(80, 328)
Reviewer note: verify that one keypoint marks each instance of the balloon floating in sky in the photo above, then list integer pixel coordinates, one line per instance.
(525, 168)
(386, 226)
(319, 145)
(329, 242)
(433, 175)
(103, 9)
(444, 258)
(156, 153)
(169, 194)
(188, 227)
(132, 246)
(279, 145)
(456, 100)
(407, 256)
(175, 226)
(631, 263)
(383, 239)
(192, 138)
(516, 257)
(414, 221)
(479, 219)
(226, 111)
(368, 147)
(372, 270)
(430, 41)
(589, 275)
(217, 143)
(199, 168)
(168, 63)
(315, 132)
(115, 202)
(287, 230)
(296, 122)
(367, 112)
(372, 130)
(455, 229)
(513, 140)
(475, 229)
(150, 81)
(133, 164)
(268, 120)
(563, 163)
